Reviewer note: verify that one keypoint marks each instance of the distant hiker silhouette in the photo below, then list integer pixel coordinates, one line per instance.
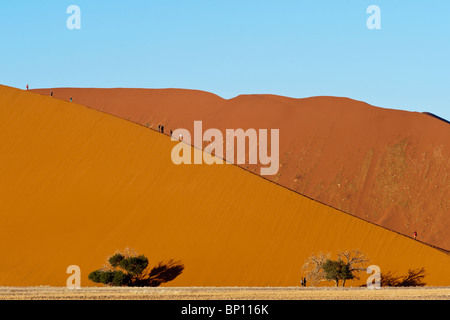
(70, 99)
(415, 235)
(171, 133)
(303, 282)
(27, 87)
(51, 93)
(162, 129)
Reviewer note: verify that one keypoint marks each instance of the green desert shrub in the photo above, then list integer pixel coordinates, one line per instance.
(336, 270)
(130, 269)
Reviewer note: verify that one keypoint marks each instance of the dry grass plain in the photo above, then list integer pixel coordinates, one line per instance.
(223, 293)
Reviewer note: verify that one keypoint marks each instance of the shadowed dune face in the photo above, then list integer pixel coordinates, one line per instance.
(385, 166)
(77, 184)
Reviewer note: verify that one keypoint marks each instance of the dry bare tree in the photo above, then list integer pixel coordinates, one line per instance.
(313, 267)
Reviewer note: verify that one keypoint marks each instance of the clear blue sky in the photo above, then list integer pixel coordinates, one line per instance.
(291, 47)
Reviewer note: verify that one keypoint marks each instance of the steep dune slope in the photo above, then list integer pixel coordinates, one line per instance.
(77, 184)
(386, 166)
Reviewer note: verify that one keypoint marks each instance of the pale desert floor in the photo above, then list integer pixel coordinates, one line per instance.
(223, 293)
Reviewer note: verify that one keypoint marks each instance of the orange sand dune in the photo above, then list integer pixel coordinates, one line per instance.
(386, 166)
(77, 184)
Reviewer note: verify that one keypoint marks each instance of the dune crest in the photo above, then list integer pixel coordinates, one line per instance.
(385, 166)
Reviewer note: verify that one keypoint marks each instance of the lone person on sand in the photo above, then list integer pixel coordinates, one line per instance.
(70, 99)
(51, 93)
(27, 86)
(415, 235)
